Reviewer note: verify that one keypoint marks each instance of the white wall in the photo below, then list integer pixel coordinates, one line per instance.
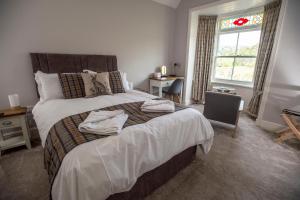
(184, 45)
(285, 80)
(181, 31)
(183, 41)
(139, 32)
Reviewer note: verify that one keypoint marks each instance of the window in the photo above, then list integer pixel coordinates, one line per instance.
(234, 22)
(236, 49)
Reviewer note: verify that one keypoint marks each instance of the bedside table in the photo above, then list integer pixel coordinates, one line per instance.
(13, 129)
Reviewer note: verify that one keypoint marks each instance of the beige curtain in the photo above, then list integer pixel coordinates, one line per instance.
(203, 57)
(269, 24)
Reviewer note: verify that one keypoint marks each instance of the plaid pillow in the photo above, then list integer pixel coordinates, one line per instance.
(116, 83)
(72, 85)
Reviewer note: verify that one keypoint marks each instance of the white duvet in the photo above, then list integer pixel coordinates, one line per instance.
(99, 168)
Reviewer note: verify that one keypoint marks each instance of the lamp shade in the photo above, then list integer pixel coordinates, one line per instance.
(14, 100)
(163, 70)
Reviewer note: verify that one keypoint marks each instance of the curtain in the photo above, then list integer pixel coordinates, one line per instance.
(269, 24)
(203, 57)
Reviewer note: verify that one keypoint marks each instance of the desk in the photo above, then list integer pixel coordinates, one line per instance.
(162, 82)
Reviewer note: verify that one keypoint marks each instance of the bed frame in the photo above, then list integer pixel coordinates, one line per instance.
(65, 63)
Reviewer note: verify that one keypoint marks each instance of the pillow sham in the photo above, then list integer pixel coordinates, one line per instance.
(116, 82)
(96, 84)
(125, 82)
(89, 71)
(72, 85)
(123, 76)
(39, 84)
(48, 86)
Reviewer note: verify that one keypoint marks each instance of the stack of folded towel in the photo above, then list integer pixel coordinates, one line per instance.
(104, 122)
(158, 106)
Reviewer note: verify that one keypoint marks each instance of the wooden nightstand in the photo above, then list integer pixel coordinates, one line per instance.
(13, 129)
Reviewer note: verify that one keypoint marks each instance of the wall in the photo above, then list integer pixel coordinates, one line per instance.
(182, 41)
(285, 80)
(139, 32)
(181, 31)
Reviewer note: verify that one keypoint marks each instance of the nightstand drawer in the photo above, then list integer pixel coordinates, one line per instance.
(167, 83)
(10, 122)
(12, 142)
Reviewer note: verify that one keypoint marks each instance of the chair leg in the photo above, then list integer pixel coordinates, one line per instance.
(285, 135)
(177, 98)
(167, 96)
(174, 98)
(235, 132)
(292, 124)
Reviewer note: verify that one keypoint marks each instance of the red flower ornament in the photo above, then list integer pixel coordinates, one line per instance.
(240, 21)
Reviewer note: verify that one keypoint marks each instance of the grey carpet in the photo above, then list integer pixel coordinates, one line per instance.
(251, 166)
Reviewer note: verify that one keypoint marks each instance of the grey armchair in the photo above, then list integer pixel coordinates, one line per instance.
(222, 107)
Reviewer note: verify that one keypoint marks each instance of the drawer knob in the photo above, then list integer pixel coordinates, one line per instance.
(6, 123)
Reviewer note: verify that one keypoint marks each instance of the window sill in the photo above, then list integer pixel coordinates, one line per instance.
(232, 84)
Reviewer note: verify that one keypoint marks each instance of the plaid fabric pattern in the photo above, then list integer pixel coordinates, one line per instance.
(267, 39)
(116, 83)
(72, 85)
(64, 135)
(203, 57)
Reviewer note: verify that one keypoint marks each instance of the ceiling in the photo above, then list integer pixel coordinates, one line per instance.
(170, 3)
(222, 7)
(230, 7)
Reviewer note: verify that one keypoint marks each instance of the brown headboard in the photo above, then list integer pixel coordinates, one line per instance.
(66, 63)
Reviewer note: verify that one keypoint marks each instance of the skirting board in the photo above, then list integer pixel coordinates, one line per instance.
(187, 102)
(270, 126)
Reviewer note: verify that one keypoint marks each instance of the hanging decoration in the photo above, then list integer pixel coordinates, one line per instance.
(240, 21)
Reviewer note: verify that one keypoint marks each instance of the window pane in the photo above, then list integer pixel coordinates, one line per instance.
(227, 44)
(248, 43)
(224, 68)
(244, 69)
(253, 20)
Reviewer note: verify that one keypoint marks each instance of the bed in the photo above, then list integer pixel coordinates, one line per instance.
(130, 165)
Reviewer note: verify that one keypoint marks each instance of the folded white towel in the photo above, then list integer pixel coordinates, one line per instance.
(104, 122)
(158, 106)
(156, 102)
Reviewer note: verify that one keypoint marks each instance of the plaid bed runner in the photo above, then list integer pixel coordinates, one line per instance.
(64, 135)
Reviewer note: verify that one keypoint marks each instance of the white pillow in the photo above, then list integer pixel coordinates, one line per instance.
(124, 80)
(39, 84)
(89, 71)
(48, 86)
(123, 76)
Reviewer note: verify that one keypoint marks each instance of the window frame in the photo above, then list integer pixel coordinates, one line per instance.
(216, 47)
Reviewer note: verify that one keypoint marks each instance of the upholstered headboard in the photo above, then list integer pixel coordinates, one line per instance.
(66, 63)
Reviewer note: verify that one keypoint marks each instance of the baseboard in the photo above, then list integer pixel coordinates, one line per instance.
(187, 102)
(270, 126)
